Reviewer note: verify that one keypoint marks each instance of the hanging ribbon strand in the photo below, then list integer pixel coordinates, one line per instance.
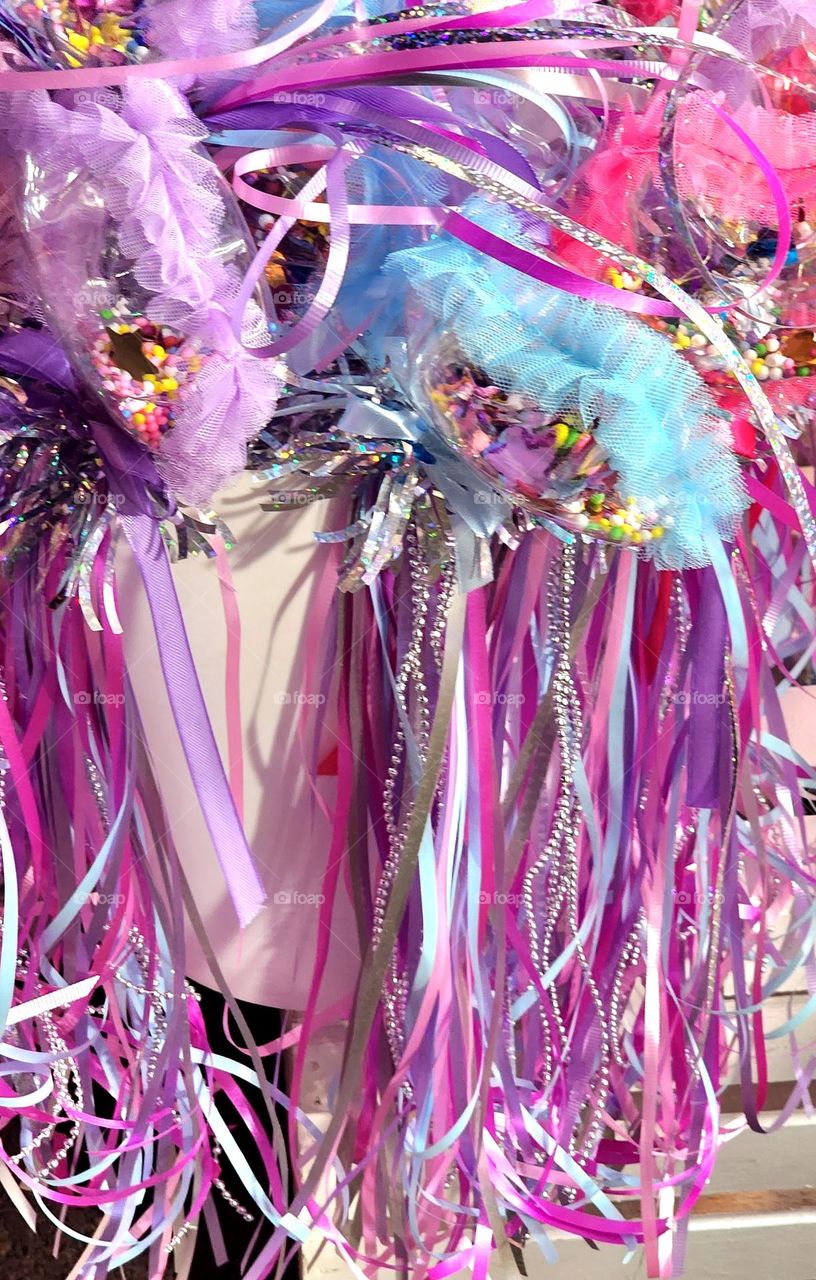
(526, 293)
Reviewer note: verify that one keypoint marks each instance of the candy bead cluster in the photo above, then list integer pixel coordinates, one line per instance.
(772, 349)
(761, 328)
(600, 511)
(104, 32)
(600, 515)
(779, 354)
(557, 468)
(143, 367)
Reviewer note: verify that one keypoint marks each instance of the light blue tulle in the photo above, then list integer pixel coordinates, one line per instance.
(272, 13)
(383, 176)
(367, 299)
(656, 420)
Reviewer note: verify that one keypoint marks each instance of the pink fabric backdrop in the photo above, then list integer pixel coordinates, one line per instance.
(274, 568)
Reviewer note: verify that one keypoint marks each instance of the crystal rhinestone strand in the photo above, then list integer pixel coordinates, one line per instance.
(559, 862)
(410, 680)
(427, 627)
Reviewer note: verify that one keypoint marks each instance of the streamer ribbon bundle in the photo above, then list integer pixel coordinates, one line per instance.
(529, 292)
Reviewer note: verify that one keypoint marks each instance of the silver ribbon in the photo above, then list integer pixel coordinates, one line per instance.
(478, 510)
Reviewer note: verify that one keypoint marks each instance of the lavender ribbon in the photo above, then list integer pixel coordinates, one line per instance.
(130, 471)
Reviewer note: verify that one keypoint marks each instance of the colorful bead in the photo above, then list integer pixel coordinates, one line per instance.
(536, 460)
(146, 392)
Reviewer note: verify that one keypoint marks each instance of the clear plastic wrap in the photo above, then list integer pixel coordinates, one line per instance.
(140, 250)
(573, 411)
(547, 462)
(735, 146)
(86, 33)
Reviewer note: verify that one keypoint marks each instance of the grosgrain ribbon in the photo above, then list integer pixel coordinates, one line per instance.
(57, 999)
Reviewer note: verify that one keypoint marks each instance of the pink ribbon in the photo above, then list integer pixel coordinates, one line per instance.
(305, 210)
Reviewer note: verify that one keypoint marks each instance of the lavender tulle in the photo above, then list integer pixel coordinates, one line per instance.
(161, 210)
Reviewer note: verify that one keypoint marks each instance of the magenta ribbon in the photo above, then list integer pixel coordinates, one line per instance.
(375, 107)
(549, 272)
(101, 77)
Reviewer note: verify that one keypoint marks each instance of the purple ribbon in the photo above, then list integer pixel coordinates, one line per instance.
(132, 475)
(355, 103)
(30, 352)
(706, 754)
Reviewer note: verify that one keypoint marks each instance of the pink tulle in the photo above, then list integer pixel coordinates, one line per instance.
(714, 166)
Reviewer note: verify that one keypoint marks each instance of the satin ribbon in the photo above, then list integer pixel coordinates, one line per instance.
(709, 639)
(27, 352)
(99, 77)
(373, 109)
(232, 691)
(304, 210)
(130, 471)
(551, 273)
(376, 965)
(172, 68)
(391, 65)
(571, 282)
